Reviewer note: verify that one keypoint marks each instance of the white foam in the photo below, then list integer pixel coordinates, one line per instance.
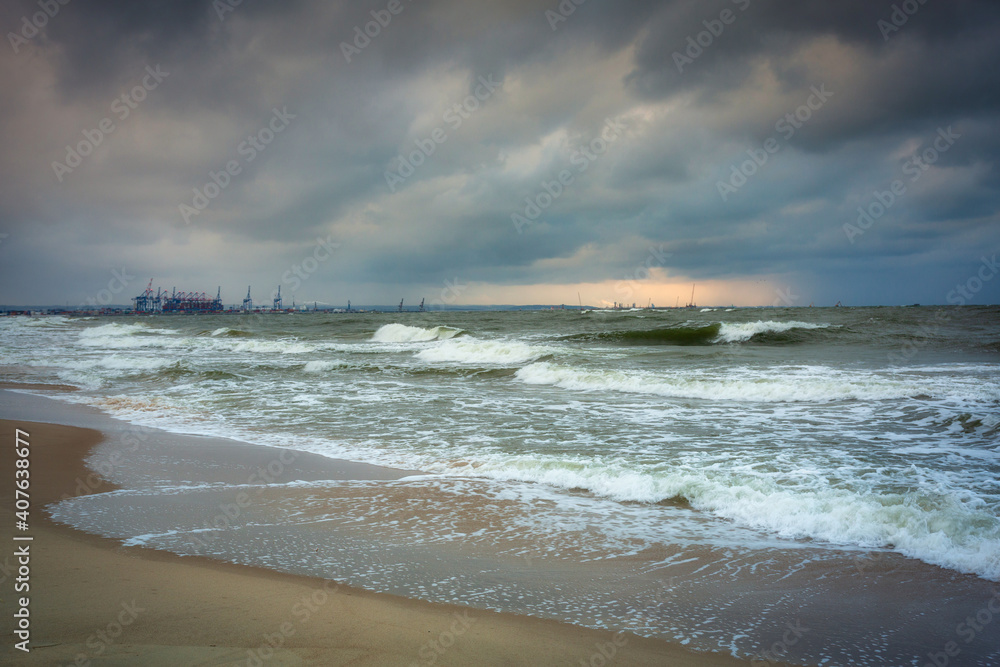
(121, 363)
(118, 329)
(322, 366)
(776, 387)
(937, 528)
(43, 321)
(116, 336)
(743, 331)
(114, 342)
(621, 435)
(401, 333)
(143, 540)
(267, 346)
(113, 329)
(491, 352)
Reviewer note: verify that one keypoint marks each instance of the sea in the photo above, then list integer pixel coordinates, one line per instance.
(812, 486)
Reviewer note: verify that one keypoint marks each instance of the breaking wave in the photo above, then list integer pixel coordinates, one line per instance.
(401, 333)
(745, 331)
(47, 321)
(117, 336)
(233, 333)
(778, 388)
(709, 334)
(119, 363)
(669, 336)
(322, 366)
(471, 351)
(938, 528)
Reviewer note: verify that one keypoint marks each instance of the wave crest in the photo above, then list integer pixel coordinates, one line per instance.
(402, 333)
(741, 332)
(319, 366)
(667, 336)
(709, 334)
(922, 523)
(233, 333)
(778, 388)
(472, 351)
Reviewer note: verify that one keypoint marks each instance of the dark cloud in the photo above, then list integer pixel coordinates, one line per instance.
(655, 185)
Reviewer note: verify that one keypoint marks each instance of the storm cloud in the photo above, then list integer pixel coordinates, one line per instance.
(528, 150)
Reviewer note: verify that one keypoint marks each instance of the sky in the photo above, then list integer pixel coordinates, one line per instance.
(510, 152)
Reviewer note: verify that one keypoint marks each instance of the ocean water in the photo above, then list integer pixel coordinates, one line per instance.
(708, 477)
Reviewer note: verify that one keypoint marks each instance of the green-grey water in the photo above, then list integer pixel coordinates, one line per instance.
(725, 448)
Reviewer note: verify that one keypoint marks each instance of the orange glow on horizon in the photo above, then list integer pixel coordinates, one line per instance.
(762, 292)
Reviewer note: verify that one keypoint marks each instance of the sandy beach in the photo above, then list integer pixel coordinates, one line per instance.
(94, 601)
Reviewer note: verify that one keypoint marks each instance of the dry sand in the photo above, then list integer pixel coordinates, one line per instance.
(94, 601)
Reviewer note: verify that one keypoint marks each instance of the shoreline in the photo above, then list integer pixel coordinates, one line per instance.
(196, 609)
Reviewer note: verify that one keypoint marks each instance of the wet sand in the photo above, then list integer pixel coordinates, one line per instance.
(95, 601)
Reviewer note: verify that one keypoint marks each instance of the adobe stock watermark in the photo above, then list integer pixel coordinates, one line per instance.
(961, 295)
(456, 114)
(229, 513)
(901, 13)
(786, 126)
(667, 588)
(223, 7)
(778, 651)
(433, 649)
(965, 292)
(605, 651)
(31, 26)
(122, 108)
(967, 630)
(100, 641)
(878, 561)
(372, 29)
(104, 467)
(784, 298)
(301, 612)
(449, 294)
(299, 273)
(543, 547)
(914, 168)
(657, 258)
(116, 285)
(581, 158)
(698, 43)
(562, 12)
(248, 149)
(927, 331)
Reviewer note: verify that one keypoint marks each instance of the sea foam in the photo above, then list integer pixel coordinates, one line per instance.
(322, 366)
(937, 528)
(493, 352)
(776, 388)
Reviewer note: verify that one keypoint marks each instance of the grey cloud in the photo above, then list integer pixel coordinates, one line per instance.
(452, 217)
